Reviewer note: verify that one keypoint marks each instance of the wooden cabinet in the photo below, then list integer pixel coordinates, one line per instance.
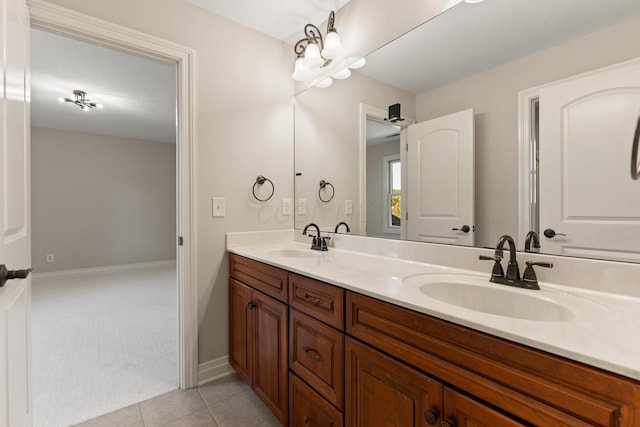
(398, 367)
(258, 345)
(383, 392)
(317, 356)
(316, 352)
(524, 384)
(308, 409)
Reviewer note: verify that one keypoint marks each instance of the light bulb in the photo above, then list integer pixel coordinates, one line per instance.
(473, 1)
(85, 108)
(100, 106)
(312, 58)
(332, 46)
(358, 64)
(61, 100)
(342, 74)
(325, 83)
(301, 72)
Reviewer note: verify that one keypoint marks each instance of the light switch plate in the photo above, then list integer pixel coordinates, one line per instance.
(218, 207)
(348, 207)
(302, 206)
(286, 206)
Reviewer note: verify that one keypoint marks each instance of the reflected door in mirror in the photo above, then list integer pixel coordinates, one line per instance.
(586, 131)
(440, 180)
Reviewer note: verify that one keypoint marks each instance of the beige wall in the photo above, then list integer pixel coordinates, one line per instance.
(375, 187)
(244, 128)
(494, 97)
(100, 200)
(327, 139)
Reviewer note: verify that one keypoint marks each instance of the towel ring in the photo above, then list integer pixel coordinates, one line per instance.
(259, 181)
(635, 165)
(324, 184)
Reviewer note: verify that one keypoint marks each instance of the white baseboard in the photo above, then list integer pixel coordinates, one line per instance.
(106, 269)
(213, 370)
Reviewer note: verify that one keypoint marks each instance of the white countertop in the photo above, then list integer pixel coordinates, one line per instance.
(604, 330)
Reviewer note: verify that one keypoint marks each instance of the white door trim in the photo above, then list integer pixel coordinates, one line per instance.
(84, 27)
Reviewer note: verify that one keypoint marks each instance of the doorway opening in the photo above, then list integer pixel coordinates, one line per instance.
(104, 294)
(76, 25)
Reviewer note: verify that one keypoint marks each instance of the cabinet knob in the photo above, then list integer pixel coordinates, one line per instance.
(251, 304)
(447, 423)
(431, 416)
(306, 420)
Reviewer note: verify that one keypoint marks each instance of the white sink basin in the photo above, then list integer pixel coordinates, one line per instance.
(296, 253)
(478, 294)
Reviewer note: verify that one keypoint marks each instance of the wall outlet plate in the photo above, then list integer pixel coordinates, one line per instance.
(348, 207)
(302, 206)
(286, 206)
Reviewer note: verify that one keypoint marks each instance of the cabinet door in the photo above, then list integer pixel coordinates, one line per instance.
(462, 411)
(383, 392)
(270, 354)
(240, 325)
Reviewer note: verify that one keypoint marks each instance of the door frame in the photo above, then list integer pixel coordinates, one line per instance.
(79, 26)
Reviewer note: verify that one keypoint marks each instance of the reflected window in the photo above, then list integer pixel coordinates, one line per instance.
(392, 193)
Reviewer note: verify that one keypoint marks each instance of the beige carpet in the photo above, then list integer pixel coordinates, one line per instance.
(102, 341)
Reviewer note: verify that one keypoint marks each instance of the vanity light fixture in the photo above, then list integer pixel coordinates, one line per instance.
(320, 60)
(80, 99)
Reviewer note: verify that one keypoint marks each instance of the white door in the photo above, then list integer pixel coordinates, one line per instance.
(440, 180)
(586, 191)
(15, 239)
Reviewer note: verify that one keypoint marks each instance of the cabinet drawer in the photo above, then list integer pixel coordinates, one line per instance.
(266, 278)
(307, 408)
(320, 300)
(316, 354)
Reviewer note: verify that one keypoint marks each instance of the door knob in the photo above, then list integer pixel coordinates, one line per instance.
(464, 229)
(448, 423)
(12, 274)
(551, 233)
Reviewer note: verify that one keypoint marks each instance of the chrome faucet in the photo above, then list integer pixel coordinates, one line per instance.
(318, 243)
(512, 278)
(345, 225)
(531, 241)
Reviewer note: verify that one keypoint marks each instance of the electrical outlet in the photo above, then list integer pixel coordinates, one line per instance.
(286, 206)
(218, 207)
(348, 207)
(302, 206)
(49, 257)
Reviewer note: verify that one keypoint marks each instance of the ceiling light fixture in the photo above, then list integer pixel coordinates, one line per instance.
(81, 100)
(320, 60)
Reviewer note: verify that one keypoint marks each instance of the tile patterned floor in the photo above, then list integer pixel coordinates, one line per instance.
(227, 402)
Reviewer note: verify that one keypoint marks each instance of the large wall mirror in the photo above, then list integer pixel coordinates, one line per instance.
(498, 68)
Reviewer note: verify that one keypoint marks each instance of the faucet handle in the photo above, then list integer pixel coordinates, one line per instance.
(529, 277)
(323, 243)
(497, 270)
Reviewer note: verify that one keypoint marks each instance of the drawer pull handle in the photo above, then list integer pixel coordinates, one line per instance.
(312, 299)
(448, 423)
(313, 353)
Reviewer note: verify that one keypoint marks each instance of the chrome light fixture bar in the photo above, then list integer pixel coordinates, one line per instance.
(320, 60)
(80, 99)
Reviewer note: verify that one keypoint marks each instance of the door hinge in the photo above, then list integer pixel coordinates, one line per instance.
(406, 147)
(180, 240)
(406, 216)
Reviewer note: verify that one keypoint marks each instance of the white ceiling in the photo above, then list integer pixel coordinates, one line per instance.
(282, 19)
(470, 38)
(138, 94)
(379, 133)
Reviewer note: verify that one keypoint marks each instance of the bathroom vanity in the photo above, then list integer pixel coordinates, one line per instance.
(326, 339)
